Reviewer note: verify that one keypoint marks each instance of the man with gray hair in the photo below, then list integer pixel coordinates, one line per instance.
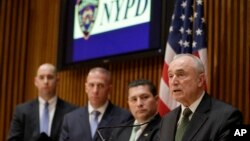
(199, 117)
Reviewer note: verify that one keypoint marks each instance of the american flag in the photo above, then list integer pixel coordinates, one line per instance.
(186, 35)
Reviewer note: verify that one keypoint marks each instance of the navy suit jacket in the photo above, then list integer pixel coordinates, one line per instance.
(25, 122)
(76, 125)
(211, 121)
(150, 133)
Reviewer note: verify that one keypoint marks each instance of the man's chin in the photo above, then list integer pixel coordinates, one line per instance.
(178, 97)
(47, 93)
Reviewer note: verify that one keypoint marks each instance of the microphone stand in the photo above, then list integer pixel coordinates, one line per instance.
(119, 126)
(100, 135)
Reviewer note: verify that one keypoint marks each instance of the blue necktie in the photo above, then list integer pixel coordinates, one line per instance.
(44, 122)
(94, 122)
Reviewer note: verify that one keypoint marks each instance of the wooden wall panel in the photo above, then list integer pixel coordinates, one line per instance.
(246, 70)
(122, 74)
(29, 35)
(228, 52)
(13, 45)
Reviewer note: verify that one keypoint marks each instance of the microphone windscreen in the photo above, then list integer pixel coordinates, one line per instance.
(44, 137)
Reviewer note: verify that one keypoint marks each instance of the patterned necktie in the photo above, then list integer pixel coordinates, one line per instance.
(183, 125)
(134, 135)
(94, 122)
(44, 122)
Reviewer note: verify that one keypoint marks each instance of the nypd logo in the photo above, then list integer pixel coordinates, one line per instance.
(87, 11)
(98, 16)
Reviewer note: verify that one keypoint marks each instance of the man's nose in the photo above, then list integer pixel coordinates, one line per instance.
(95, 88)
(139, 102)
(46, 80)
(173, 80)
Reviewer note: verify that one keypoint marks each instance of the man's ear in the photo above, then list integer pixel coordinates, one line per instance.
(202, 80)
(156, 97)
(57, 79)
(110, 86)
(85, 89)
(35, 81)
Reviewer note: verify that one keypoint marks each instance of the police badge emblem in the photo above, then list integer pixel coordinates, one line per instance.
(87, 11)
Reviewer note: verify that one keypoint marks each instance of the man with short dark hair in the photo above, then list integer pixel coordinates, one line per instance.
(142, 101)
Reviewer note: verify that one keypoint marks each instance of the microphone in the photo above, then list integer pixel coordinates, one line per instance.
(44, 137)
(118, 126)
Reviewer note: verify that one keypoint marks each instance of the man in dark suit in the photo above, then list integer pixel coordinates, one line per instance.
(82, 123)
(199, 117)
(27, 124)
(142, 101)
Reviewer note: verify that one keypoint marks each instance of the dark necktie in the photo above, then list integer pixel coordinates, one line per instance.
(94, 122)
(44, 124)
(183, 124)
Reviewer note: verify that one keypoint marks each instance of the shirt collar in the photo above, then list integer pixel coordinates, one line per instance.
(100, 109)
(142, 127)
(137, 122)
(195, 104)
(52, 101)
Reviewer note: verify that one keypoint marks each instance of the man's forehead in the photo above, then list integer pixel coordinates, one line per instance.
(46, 69)
(177, 65)
(176, 70)
(97, 75)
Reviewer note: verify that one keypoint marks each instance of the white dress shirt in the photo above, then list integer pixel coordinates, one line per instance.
(192, 107)
(101, 109)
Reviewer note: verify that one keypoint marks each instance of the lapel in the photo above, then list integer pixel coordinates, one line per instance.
(172, 123)
(148, 131)
(106, 119)
(34, 118)
(56, 121)
(84, 123)
(125, 133)
(199, 118)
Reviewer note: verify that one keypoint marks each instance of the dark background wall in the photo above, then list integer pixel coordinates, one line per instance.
(29, 37)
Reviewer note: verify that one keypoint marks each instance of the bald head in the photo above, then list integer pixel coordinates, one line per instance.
(47, 66)
(102, 71)
(46, 81)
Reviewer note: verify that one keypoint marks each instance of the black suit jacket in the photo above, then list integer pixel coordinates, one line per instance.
(211, 121)
(150, 133)
(76, 125)
(25, 123)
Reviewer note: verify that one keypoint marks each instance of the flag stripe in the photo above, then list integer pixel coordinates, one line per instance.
(163, 108)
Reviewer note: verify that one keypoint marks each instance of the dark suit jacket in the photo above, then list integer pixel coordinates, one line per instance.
(211, 121)
(76, 125)
(150, 133)
(25, 122)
